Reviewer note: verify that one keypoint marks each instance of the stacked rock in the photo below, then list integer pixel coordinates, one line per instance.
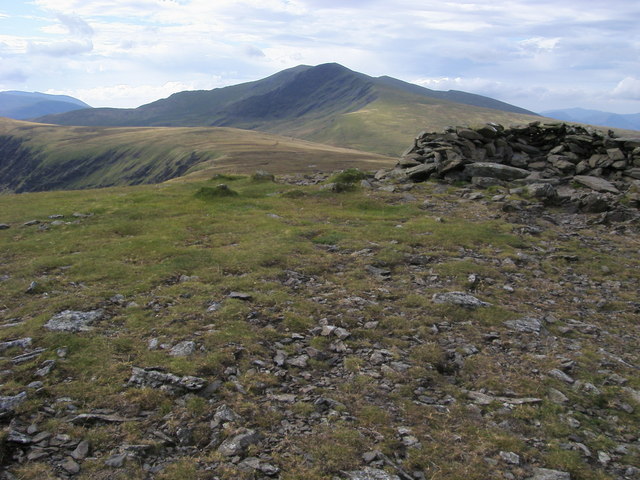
(491, 154)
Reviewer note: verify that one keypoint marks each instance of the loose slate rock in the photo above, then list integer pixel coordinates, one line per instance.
(556, 396)
(82, 450)
(495, 170)
(368, 473)
(238, 444)
(596, 183)
(8, 404)
(480, 398)
(116, 461)
(18, 437)
(92, 418)
(70, 466)
(510, 457)
(72, 321)
(525, 325)
(560, 375)
(165, 381)
(542, 190)
(240, 296)
(22, 343)
(460, 299)
(183, 349)
(548, 474)
(45, 368)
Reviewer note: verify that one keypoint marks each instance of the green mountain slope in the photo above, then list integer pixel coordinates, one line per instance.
(36, 157)
(314, 103)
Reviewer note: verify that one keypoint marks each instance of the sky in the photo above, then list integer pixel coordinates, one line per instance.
(536, 54)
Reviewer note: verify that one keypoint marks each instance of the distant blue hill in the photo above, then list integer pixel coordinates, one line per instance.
(25, 105)
(596, 117)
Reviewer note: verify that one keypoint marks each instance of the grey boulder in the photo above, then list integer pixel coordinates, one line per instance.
(165, 381)
(596, 183)
(368, 473)
(548, 474)
(238, 444)
(72, 321)
(460, 299)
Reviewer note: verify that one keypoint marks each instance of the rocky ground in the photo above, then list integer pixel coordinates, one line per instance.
(395, 330)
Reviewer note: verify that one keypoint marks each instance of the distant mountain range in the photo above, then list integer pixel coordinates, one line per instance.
(274, 121)
(596, 117)
(327, 103)
(299, 92)
(24, 105)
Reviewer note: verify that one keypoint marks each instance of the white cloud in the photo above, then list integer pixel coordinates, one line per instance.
(76, 25)
(540, 44)
(10, 77)
(252, 51)
(628, 88)
(458, 83)
(60, 49)
(527, 48)
(124, 95)
(10, 45)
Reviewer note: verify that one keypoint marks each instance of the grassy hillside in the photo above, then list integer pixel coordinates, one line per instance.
(46, 157)
(389, 124)
(317, 344)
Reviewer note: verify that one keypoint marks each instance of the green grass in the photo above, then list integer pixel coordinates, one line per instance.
(172, 254)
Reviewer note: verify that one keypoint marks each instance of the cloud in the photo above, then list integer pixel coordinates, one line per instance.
(61, 49)
(126, 95)
(13, 75)
(628, 88)
(252, 51)
(76, 25)
(527, 51)
(540, 44)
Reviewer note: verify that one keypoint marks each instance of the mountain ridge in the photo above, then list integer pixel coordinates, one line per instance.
(20, 105)
(341, 87)
(596, 117)
(327, 103)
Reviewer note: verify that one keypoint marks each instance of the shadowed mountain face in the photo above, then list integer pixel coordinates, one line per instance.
(322, 91)
(24, 105)
(298, 94)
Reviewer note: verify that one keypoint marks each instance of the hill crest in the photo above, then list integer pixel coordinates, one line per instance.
(308, 92)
